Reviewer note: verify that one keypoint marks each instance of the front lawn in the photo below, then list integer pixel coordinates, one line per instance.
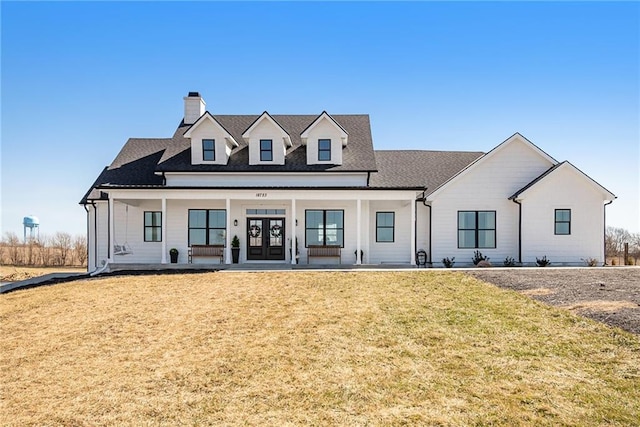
(307, 348)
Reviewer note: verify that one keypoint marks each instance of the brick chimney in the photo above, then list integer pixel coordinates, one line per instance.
(194, 107)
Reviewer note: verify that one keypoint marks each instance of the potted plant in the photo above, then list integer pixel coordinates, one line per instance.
(235, 249)
(173, 253)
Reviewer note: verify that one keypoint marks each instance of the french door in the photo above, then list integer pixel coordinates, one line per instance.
(265, 239)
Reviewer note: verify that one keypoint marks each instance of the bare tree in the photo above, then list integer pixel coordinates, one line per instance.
(62, 242)
(13, 245)
(80, 249)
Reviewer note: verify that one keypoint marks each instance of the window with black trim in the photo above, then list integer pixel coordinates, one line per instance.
(476, 229)
(152, 226)
(208, 149)
(324, 149)
(324, 227)
(562, 221)
(207, 226)
(385, 231)
(266, 150)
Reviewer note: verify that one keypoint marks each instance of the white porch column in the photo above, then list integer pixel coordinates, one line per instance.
(163, 259)
(111, 231)
(293, 231)
(358, 231)
(412, 260)
(227, 244)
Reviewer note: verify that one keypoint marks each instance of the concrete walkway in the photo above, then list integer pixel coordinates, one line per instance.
(47, 279)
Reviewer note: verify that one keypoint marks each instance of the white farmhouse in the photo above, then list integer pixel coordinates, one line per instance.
(312, 189)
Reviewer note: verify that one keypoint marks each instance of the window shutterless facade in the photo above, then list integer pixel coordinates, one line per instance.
(266, 150)
(324, 227)
(207, 226)
(152, 226)
(476, 229)
(208, 149)
(324, 149)
(385, 226)
(562, 222)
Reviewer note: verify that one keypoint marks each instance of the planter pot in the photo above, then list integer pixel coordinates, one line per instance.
(174, 257)
(235, 255)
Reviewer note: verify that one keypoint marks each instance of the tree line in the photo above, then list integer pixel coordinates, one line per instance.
(59, 249)
(615, 240)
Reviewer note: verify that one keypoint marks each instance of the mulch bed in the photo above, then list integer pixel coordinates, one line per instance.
(610, 295)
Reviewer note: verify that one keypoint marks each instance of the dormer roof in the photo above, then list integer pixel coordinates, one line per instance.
(266, 116)
(344, 135)
(207, 116)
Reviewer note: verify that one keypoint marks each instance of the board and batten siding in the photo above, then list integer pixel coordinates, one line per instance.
(178, 225)
(563, 189)
(486, 187)
(398, 251)
(128, 227)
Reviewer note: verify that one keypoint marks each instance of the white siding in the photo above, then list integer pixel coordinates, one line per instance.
(266, 130)
(486, 187)
(103, 232)
(178, 225)
(563, 189)
(266, 179)
(128, 227)
(208, 130)
(324, 129)
(398, 251)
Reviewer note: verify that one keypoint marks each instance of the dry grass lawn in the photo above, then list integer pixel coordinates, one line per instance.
(308, 348)
(10, 273)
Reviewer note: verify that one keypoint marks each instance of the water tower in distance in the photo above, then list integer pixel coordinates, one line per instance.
(33, 224)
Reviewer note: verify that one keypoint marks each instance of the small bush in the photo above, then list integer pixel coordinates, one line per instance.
(629, 261)
(591, 262)
(509, 262)
(542, 262)
(477, 257)
(484, 263)
(448, 262)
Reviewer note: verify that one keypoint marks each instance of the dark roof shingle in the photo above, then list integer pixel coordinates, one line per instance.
(418, 168)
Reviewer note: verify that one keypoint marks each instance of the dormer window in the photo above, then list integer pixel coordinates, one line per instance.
(324, 150)
(209, 150)
(266, 150)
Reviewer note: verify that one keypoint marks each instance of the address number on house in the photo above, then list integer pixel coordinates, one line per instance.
(261, 194)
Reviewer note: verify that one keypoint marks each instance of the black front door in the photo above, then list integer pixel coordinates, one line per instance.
(266, 238)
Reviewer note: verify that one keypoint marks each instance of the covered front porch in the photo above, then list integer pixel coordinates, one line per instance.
(273, 227)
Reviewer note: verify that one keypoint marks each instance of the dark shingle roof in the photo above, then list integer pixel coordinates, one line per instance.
(356, 156)
(140, 159)
(417, 168)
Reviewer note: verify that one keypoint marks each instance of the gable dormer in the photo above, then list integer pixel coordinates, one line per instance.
(211, 143)
(325, 139)
(267, 141)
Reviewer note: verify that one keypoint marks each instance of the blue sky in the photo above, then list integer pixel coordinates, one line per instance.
(79, 78)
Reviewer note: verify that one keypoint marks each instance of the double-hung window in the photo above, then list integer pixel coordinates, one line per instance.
(152, 226)
(324, 227)
(208, 149)
(476, 229)
(385, 226)
(266, 150)
(324, 149)
(562, 221)
(207, 226)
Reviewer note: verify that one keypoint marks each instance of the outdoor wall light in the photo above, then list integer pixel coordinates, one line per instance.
(296, 222)
(235, 222)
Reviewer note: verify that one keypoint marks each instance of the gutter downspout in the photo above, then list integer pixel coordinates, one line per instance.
(95, 234)
(519, 230)
(87, 210)
(604, 233)
(423, 199)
